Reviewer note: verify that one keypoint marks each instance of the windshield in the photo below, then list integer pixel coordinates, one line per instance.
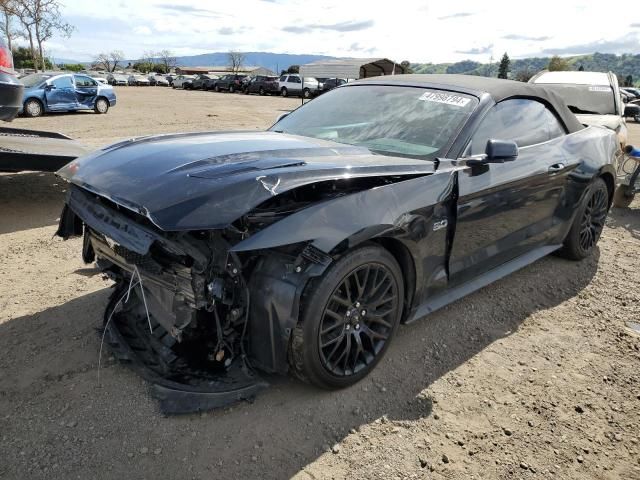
(394, 120)
(34, 79)
(586, 99)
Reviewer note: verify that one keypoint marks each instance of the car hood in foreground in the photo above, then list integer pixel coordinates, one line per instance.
(208, 180)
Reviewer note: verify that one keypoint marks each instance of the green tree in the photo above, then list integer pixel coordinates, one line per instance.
(293, 69)
(72, 67)
(505, 64)
(558, 64)
(523, 75)
(407, 66)
(160, 68)
(628, 81)
(22, 58)
(143, 67)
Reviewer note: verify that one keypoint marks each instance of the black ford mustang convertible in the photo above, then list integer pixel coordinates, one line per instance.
(303, 248)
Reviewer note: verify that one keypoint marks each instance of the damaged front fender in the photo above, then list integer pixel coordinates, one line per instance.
(356, 217)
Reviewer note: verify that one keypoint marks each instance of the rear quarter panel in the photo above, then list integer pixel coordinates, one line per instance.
(592, 153)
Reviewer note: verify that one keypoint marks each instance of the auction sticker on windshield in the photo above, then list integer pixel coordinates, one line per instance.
(447, 98)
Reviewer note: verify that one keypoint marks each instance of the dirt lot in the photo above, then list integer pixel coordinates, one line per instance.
(536, 376)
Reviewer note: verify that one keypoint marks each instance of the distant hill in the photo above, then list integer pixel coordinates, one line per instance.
(622, 65)
(272, 61)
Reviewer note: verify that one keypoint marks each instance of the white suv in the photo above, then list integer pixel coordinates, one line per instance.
(291, 84)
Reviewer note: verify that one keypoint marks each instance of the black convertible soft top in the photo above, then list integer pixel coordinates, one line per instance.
(497, 88)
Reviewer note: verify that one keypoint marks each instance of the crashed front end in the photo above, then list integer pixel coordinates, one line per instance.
(179, 309)
(198, 310)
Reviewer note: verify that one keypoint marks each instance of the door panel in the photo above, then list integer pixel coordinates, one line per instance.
(508, 209)
(86, 91)
(61, 95)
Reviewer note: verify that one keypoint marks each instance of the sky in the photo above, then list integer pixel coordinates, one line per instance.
(415, 30)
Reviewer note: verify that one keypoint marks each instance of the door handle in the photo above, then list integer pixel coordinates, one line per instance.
(556, 167)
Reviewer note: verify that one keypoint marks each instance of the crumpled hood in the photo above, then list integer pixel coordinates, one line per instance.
(208, 180)
(610, 121)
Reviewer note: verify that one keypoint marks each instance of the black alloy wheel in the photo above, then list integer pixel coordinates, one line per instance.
(358, 319)
(588, 223)
(593, 219)
(349, 317)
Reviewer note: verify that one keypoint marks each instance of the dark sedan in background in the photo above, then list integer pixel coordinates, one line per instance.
(199, 81)
(262, 85)
(303, 248)
(230, 83)
(331, 83)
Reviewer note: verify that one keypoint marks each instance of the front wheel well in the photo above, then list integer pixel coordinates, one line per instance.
(404, 258)
(32, 99)
(102, 97)
(610, 181)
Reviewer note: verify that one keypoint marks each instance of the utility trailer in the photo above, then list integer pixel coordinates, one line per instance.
(22, 150)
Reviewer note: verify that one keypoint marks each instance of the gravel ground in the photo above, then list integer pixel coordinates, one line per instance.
(535, 376)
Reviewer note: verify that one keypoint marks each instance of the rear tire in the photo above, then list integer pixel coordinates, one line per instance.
(284, 92)
(588, 223)
(217, 88)
(232, 89)
(306, 93)
(621, 199)
(33, 108)
(261, 91)
(101, 106)
(349, 316)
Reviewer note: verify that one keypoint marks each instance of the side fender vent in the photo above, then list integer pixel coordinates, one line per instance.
(316, 255)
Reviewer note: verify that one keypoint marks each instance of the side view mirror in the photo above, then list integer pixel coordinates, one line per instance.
(499, 151)
(496, 151)
(50, 87)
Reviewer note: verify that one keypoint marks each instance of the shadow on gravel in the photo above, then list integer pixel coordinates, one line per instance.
(30, 200)
(51, 362)
(627, 218)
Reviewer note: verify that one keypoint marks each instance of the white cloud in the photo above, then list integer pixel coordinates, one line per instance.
(415, 30)
(142, 30)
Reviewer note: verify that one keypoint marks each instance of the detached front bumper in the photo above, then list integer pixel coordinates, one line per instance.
(179, 387)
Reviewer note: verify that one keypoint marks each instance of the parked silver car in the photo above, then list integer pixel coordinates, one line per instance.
(117, 79)
(180, 80)
(158, 80)
(138, 80)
